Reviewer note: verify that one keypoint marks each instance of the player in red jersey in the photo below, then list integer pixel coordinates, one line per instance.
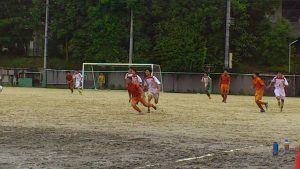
(70, 82)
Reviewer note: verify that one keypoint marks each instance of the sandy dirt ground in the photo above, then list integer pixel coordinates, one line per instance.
(52, 128)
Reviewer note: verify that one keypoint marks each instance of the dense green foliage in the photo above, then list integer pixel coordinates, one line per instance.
(179, 35)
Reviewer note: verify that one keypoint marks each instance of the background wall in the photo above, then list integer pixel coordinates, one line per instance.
(172, 81)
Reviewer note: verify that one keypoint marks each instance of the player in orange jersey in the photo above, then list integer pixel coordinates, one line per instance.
(224, 85)
(259, 87)
(136, 91)
(70, 81)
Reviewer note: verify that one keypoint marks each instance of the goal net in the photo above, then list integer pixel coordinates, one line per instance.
(114, 74)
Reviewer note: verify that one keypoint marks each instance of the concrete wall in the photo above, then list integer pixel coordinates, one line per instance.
(182, 82)
(172, 82)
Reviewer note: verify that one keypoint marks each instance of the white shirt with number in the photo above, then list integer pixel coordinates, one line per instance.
(279, 84)
(152, 83)
(78, 80)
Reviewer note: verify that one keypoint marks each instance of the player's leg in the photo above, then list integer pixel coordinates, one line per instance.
(150, 96)
(129, 95)
(259, 105)
(143, 101)
(282, 98)
(277, 95)
(72, 87)
(134, 102)
(207, 92)
(282, 104)
(79, 87)
(156, 98)
(278, 101)
(69, 85)
(226, 91)
(258, 98)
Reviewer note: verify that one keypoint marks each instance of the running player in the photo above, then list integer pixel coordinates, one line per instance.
(136, 92)
(224, 85)
(153, 85)
(135, 78)
(259, 86)
(207, 82)
(70, 81)
(280, 83)
(78, 81)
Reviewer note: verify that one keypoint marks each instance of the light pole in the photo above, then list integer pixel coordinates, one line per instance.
(227, 33)
(44, 83)
(131, 37)
(290, 53)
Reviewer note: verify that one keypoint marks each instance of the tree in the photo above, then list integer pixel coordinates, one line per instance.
(15, 26)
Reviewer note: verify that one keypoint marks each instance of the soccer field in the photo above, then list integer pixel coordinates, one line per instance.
(52, 128)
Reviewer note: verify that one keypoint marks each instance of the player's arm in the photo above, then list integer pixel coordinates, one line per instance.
(262, 83)
(270, 84)
(209, 81)
(140, 80)
(229, 81)
(157, 83)
(129, 95)
(285, 83)
(158, 88)
(140, 89)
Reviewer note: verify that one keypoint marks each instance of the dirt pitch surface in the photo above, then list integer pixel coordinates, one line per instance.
(52, 128)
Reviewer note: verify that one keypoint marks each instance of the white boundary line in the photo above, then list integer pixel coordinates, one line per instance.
(201, 157)
(210, 155)
(194, 158)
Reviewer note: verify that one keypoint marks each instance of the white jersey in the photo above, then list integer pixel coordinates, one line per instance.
(280, 83)
(152, 83)
(78, 80)
(206, 80)
(135, 78)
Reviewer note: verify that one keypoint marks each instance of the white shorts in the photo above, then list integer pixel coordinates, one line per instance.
(78, 85)
(155, 95)
(280, 93)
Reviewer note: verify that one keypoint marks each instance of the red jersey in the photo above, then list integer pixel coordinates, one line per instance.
(134, 89)
(69, 78)
(225, 79)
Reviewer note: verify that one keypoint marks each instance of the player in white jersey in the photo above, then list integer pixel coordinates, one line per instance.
(135, 78)
(280, 83)
(78, 81)
(207, 82)
(152, 84)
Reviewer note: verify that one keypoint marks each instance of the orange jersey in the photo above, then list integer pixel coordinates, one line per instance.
(258, 83)
(69, 78)
(225, 79)
(134, 89)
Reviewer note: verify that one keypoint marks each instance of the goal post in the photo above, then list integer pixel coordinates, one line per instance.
(115, 72)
